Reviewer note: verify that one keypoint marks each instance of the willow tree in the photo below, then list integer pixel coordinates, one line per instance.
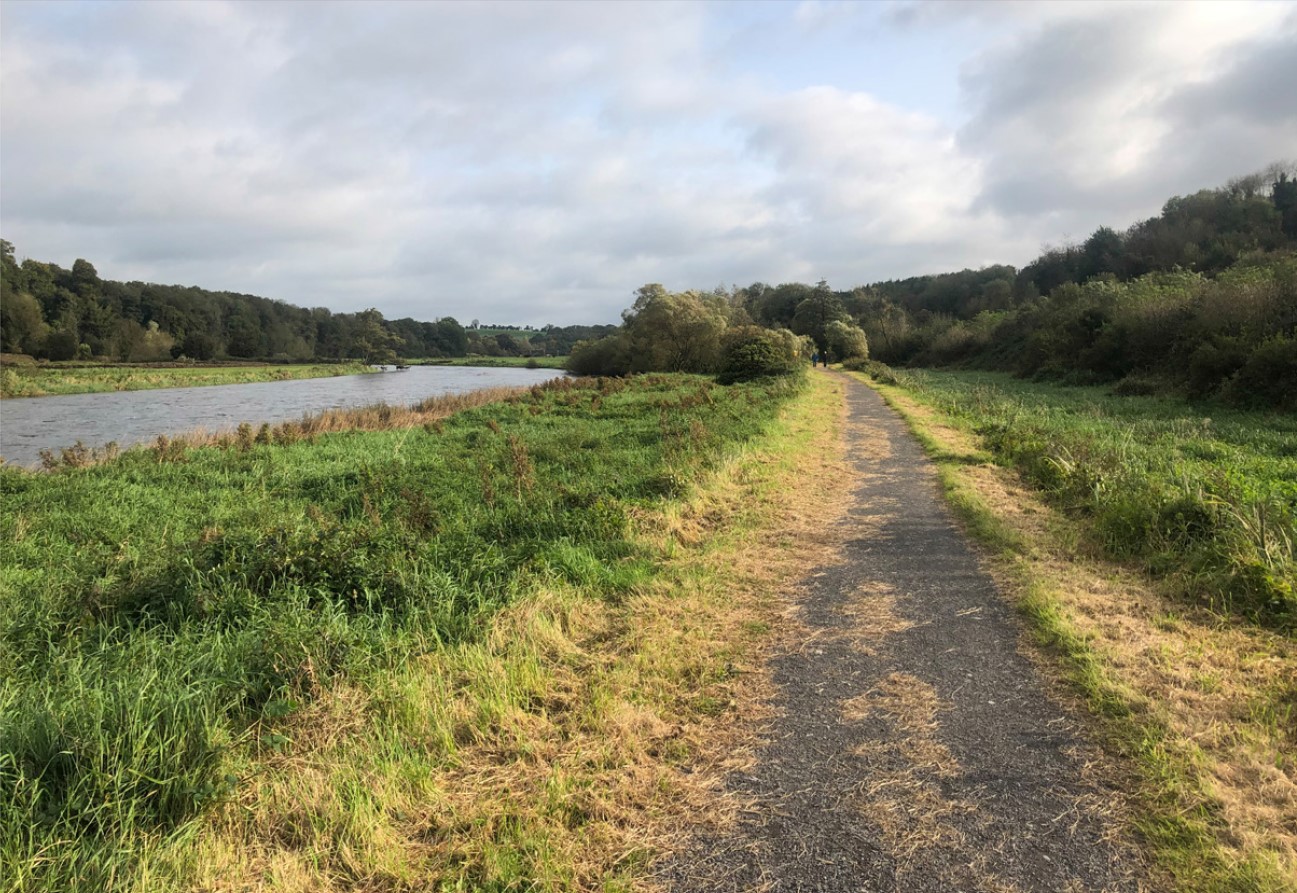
(674, 332)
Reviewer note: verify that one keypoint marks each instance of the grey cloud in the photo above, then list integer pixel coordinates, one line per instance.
(537, 162)
(1257, 88)
(1097, 121)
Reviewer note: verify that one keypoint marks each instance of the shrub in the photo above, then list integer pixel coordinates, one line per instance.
(752, 352)
(607, 356)
(879, 372)
(1268, 377)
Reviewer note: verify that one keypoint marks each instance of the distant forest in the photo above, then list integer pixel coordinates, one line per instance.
(51, 313)
(1199, 301)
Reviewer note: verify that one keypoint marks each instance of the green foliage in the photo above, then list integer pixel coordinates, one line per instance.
(1210, 503)
(846, 341)
(752, 352)
(666, 332)
(816, 313)
(163, 615)
(44, 309)
(1268, 377)
(607, 356)
(44, 380)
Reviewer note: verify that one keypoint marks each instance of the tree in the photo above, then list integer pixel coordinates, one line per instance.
(451, 337)
(22, 328)
(1284, 196)
(373, 341)
(198, 346)
(1101, 253)
(668, 332)
(85, 278)
(815, 313)
(846, 341)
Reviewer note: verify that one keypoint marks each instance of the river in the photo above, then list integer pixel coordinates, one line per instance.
(31, 424)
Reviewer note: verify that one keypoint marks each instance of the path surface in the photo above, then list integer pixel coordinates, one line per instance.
(914, 748)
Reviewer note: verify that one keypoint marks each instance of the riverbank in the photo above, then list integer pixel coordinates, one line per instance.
(53, 379)
(524, 362)
(1152, 629)
(485, 651)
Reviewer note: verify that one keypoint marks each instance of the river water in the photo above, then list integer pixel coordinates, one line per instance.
(29, 425)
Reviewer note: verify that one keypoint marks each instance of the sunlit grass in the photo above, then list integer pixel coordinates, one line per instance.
(1205, 498)
(1197, 707)
(180, 629)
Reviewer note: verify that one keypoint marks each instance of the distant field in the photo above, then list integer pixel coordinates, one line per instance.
(43, 381)
(1205, 497)
(526, 362)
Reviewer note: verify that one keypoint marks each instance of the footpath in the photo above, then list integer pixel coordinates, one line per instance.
(914, 747)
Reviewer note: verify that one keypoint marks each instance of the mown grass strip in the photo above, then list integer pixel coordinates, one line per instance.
(1201, 708)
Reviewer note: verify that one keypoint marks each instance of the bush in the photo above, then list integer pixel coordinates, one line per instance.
(607, 356)
(879, 372)
(1212, 364)
(1268, 378)
(752, 352)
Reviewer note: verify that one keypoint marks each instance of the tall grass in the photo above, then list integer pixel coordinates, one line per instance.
(168, 612)
(1206, 498)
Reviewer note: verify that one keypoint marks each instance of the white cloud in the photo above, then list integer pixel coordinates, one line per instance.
(537, 162)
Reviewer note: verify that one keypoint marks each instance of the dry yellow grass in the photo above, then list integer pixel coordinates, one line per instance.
(576, 742)
(380, 417)
(1224, 691)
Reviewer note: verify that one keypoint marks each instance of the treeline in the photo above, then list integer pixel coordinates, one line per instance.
(722, 331)
(52, 313)
(1199, 301)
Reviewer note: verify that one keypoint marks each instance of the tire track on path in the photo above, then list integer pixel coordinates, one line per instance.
(913, 747)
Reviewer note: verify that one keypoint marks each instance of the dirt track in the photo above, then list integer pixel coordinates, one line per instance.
(913, 748)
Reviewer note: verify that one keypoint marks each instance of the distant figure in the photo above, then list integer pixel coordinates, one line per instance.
(815, 358)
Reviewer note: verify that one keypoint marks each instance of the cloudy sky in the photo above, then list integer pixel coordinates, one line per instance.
(536, 162)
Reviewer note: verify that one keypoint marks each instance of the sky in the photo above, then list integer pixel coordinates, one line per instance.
(535, 163)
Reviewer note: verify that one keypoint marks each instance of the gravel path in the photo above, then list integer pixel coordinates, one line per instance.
(914, 748)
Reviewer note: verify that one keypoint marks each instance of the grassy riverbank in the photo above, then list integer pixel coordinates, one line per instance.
(468, 651)
(50, 379)
(1143, 542)
(512, 362)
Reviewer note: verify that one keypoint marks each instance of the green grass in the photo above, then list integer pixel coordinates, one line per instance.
(1177, 812)
(166, 616)
(1205, 498)
(525, 362)
(48, 380)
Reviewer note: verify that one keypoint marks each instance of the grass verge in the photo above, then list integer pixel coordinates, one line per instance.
(1200, 706)
(495, 651)
(47, 380)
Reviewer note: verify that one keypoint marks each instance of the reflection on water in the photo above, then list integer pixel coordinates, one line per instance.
(32, 424)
